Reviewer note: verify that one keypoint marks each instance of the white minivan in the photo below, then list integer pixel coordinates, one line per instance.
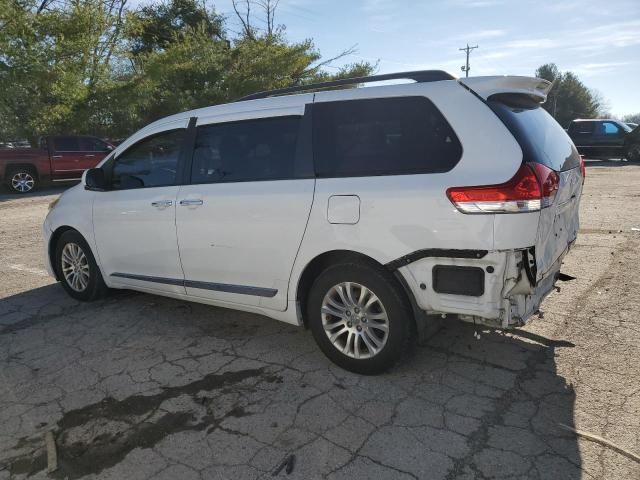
(356, 212)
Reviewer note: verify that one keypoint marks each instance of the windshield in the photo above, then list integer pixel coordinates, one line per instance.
(625, 127)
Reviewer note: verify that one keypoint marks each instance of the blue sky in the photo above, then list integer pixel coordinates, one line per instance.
(598, 40)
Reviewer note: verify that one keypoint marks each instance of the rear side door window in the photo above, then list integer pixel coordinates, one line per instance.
(66, 144)
(152, 162)
(583, 128)
(246, 151)
(382, 136)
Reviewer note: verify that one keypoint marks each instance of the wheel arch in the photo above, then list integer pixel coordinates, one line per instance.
(12, 167)
(333, 257)
(53, 241)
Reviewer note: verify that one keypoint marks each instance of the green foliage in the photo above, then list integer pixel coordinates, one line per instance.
(569, 98)
(156, 27)
(91, 66)
(52, 64)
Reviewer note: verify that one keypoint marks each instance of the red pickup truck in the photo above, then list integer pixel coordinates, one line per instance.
(55, 159)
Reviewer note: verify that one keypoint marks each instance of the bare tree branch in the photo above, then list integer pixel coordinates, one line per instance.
(43, 5)
(269, 7)
(246, 19)
(349, 51)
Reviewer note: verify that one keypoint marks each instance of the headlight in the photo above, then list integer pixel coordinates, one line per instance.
(53, 203)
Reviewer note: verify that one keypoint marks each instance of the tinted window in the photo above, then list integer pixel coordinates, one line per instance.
(582, 127)
(608, 129)
(384, 136)
(90, 144)
(250, 150)
(541, 138)
(153, 162)
(66, 144)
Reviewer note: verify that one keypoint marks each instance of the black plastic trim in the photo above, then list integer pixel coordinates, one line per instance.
(225, 287)
(530, 267)
(185, 160)
(434, 252)
(304, 149)
(218, 287)
(146, 278)
(467, 281)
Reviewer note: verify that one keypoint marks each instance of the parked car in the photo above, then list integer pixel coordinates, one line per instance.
(359, 213)
(605, 138)
(54, 159)
(15, 144)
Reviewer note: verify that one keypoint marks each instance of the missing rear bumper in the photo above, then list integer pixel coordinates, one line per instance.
(494, 290)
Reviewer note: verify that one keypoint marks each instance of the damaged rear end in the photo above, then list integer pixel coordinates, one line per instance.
(535, 218)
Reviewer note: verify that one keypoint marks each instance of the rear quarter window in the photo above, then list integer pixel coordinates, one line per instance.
(382, 136)
(541, 138)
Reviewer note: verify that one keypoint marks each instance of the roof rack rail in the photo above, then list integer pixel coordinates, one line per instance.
(419, 76)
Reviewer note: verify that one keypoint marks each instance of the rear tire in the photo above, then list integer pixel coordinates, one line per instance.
(633, 153)
(360, 317)
(22, 180)
(77, 268)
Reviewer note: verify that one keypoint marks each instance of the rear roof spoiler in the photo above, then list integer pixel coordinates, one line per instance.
(485, 87)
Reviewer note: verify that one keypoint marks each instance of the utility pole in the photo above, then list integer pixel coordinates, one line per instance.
(467, 50)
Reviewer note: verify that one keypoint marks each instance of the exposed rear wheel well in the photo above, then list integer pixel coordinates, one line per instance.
(53, 241)
(335, 257)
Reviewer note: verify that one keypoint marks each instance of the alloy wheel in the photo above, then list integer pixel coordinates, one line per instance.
(355, 320)
(75, 267)
(22, 182)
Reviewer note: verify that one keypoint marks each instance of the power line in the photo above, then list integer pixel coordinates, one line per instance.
(465, 68)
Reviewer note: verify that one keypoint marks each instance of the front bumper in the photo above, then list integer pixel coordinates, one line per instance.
(46, 235)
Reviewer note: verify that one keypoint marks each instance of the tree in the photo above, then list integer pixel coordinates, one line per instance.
(52, 62)
(156, 27)
(569, 98)
(94, 66)
(633, 118)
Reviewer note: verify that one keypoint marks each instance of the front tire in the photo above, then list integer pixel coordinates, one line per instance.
(22, 180)
(360, 317)
(77, 268)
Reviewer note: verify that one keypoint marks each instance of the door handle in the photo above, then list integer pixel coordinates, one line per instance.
(162, 203)
(89, 155)
(56, 156)
(191, 203)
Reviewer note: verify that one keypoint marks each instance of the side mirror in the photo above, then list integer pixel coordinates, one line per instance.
(109, 148)
(94, 180)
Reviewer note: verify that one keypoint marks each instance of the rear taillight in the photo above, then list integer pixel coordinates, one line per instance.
(549, 182)
(583, 170)
(533, 187)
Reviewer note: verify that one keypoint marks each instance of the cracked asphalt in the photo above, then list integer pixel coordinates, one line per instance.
(144, 387)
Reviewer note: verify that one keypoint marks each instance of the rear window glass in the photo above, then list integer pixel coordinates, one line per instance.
(66, 144)
(541, 138)
(383, 136)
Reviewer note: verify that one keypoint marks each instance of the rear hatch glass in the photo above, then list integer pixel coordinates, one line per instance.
(544, 141)
(541, 138)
